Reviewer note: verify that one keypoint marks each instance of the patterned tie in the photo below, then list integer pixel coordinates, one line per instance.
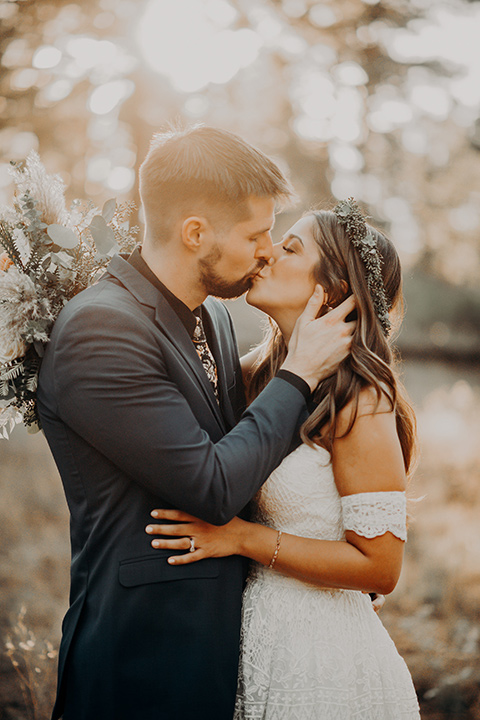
(205, 355)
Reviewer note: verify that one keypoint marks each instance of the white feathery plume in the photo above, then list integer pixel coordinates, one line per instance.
(8, 215)
(20, 305)
(48, 190)
(9, 417)
(22, 243)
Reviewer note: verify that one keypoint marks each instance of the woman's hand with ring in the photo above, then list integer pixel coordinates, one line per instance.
(197, 538)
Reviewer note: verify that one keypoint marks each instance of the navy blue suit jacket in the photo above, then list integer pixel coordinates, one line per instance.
(133, 424)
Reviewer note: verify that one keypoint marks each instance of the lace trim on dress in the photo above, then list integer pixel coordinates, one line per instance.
(371, 514)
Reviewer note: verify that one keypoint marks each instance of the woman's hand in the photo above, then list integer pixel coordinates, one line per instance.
(198, 538)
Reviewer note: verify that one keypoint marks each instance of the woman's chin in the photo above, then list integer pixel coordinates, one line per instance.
(252, 298)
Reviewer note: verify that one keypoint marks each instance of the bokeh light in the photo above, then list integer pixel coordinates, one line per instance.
(191, 42)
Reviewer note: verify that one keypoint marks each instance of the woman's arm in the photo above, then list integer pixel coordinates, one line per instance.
(368, 459)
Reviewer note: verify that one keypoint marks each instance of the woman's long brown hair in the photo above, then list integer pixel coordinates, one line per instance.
(372, 361)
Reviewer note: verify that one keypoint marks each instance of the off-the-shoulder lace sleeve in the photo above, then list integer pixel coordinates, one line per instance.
(371, 514)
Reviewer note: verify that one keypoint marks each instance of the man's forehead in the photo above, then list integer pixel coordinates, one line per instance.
(262, 214)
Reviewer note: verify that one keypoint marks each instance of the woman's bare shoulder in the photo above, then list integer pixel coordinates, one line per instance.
(369, 402)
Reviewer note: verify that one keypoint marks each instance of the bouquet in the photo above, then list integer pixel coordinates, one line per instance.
(48, 254)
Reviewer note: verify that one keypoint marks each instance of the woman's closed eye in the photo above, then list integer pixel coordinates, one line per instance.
(288, 249)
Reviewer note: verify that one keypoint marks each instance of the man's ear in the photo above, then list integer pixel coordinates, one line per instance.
(194, 231)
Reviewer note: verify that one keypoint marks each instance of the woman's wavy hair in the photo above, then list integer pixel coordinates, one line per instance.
(371, 364)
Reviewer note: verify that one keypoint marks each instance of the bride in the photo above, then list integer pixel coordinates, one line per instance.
(329, 524)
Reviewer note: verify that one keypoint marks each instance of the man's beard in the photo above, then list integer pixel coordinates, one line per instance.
(217, 286)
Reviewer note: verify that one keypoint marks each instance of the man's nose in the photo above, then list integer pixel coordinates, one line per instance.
(265, 247)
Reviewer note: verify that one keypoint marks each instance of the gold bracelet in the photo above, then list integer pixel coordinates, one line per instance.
(277, 548)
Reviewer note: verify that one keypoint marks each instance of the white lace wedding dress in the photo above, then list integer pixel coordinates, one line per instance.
(310, 653)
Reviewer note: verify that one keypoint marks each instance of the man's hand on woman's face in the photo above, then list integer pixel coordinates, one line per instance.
(318, 345)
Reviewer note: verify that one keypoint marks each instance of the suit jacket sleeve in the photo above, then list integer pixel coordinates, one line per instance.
(113, 389)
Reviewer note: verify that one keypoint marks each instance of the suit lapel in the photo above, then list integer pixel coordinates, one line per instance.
(169, 323)
(173, 328)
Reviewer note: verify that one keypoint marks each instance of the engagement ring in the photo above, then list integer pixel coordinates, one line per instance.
(192, 545)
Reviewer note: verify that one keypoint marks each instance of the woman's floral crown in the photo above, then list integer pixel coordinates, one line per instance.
(48, 253)
(350, 216)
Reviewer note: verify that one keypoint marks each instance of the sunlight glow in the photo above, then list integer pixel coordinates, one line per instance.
(46, 56)
(388, 113)
(89, 52)
(328, 109)
(23, 79)
(345, 157)
(311, 129)
(191, 42)
(404, 230)
(15, 53)
(350, 73)
(107, 97)
(448, 37)
(415, 140)
(56, 91)
(465, 218)
(21, 144)
(346, 185)
(322, 16)
(98, 169)
(431, 100)
(121, 179)
(347, 120)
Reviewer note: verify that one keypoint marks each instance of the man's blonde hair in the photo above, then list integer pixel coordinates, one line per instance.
(204, 170)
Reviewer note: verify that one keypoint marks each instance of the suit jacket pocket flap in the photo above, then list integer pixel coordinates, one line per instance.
(142, 571)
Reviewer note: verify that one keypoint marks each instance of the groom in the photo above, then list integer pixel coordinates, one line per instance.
(141, 401)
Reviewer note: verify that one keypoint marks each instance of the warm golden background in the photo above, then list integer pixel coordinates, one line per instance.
(370, 98)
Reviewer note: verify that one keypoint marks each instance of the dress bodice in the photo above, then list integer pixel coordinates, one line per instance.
(300, 497)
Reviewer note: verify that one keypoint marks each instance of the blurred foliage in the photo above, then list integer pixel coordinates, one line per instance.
(377, 99)
(442, 320)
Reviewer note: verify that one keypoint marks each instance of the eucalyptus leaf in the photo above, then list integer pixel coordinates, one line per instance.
(63, 259)
(62, 236)
(103, 235)
(39, 349)
(108, 210)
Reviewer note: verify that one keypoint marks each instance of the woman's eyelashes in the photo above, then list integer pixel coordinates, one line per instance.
(292, 245)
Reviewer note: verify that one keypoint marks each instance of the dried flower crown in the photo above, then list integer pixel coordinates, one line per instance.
(349, 214)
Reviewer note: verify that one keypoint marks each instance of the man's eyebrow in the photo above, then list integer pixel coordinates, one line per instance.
(290, 236)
